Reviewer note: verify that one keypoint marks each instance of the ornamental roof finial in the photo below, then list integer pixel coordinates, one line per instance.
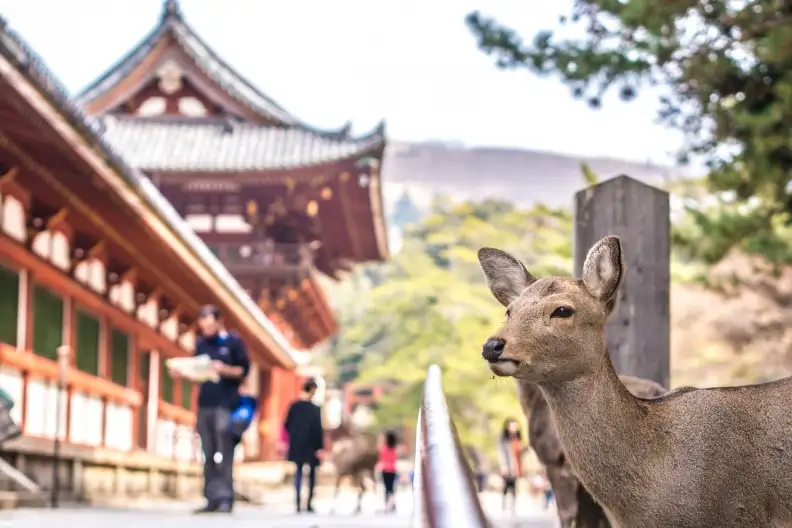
(171, 9)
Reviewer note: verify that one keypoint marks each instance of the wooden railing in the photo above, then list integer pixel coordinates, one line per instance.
(262, 258)
(28, 362)
(444, 490)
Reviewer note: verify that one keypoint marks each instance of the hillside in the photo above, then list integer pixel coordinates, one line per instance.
(523, 177)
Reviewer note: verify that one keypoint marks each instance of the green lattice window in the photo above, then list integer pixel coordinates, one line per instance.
(166, 383)
(9, 305)
(186, 394)
(88, 335)
(119, 357)
(47, 323)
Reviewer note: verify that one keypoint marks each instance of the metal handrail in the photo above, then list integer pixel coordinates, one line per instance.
(444, 490)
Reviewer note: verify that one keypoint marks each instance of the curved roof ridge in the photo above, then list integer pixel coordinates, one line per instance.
(210, 63)
(343, 135)
(217, 144)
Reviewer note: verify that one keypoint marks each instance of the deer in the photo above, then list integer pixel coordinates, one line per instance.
(575, 505)
(355, 454)
(694, 458)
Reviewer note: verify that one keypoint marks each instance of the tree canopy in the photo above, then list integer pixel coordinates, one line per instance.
(430, 304)
(725, 69)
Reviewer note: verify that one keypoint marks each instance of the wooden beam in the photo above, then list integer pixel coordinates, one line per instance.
(56, 219)
(9, 176)
(130, 275)
(98, 251)
(637, 333)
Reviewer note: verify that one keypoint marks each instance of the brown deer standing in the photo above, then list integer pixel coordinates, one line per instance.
(695, 458)
(355, 454)
(576, 507)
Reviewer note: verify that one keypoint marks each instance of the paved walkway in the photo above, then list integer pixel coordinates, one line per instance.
(176, 515)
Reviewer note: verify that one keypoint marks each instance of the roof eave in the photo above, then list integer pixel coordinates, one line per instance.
(20, 65)
(377, 206)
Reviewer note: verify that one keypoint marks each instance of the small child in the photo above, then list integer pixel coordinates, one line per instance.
(388, 455)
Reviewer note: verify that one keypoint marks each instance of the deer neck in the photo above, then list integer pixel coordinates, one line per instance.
(597, 421)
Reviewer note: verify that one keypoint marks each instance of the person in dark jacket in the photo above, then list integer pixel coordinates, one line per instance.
(306, 440)
(216, 401)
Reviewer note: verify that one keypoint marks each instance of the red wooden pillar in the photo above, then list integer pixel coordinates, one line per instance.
(272, 412)
(263, 410)
(70, 339)
(25, 333)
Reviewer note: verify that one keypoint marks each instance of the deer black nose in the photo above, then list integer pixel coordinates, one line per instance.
(493, 349)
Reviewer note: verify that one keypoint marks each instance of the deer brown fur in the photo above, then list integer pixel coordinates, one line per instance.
(694, 458)
(576, 507)
(355, 455)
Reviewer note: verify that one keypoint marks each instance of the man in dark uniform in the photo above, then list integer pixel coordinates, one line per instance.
(306, 440)
(216, 401)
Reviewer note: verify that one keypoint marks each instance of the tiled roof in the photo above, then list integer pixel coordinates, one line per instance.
(17, 51)
(172, 23)
(221, 144)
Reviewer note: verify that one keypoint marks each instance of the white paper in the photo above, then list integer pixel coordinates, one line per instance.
(196, 369)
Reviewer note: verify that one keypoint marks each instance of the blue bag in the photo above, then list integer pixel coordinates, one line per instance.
(242, 416)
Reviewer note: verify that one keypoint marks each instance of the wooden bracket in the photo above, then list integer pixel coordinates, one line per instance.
(9, 176)
(98, 251)
(130, 275)
(55, 221)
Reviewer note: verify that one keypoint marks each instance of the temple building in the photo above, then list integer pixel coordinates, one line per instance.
(168, 183)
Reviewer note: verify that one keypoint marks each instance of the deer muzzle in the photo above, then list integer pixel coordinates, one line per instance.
(492, 350)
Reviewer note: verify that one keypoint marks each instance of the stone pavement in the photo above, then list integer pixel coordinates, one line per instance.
(277, 515)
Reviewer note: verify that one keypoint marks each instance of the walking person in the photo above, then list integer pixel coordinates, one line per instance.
(216, 402)
(542, 487)
(306, 441)
(510, 451)
(388, 457)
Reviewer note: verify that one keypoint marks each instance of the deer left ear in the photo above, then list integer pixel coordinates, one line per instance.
(506, 276)
(603, 270)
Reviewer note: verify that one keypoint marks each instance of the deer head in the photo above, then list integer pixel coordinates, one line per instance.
(554, 325)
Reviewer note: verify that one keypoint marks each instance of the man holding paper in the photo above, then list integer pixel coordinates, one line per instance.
(217, 399)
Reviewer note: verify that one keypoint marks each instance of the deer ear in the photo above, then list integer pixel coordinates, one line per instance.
(603, 270)
(506, 276)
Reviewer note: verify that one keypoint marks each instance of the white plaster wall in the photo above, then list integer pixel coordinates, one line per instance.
(40, 409)
(86, 419)
(119, 430)
(164, 438)
(97, 278)
(170, 328)
(184, 442)
(60, 251)
(11, 382)
(187, 341)
(13, 218)
(41, 244)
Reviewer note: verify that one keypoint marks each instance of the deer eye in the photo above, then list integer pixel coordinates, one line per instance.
(508, 313)
(563, 312)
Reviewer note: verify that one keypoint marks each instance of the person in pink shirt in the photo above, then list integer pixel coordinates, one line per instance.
(388, 456)
(283, 442)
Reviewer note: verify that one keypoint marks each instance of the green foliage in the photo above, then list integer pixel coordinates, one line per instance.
(726, 70)
(589, 176)
(432, 306)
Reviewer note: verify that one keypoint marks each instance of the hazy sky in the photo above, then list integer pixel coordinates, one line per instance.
(411, 62)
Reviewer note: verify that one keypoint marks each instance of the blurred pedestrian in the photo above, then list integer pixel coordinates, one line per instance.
(388, 457)
(479, 465)
(541, 486)
(510, 452)
(306, 441)
(217, 400)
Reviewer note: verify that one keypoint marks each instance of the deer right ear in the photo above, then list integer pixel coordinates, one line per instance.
(506, 276)
(603, 270)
